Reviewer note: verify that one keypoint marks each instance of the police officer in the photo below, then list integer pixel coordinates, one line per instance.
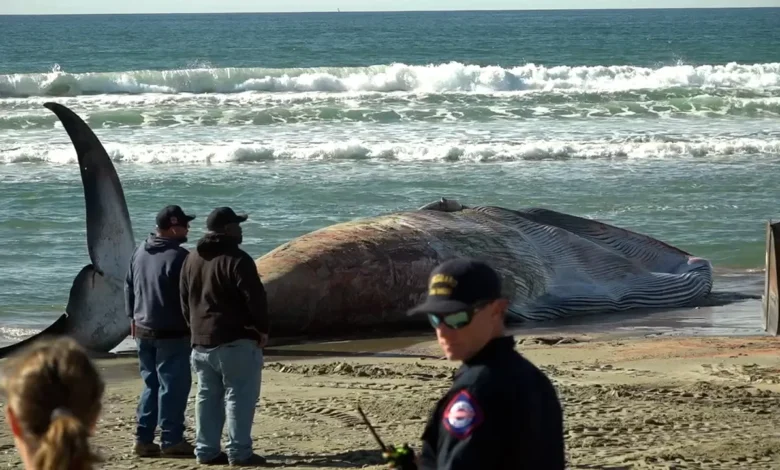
(501, 411)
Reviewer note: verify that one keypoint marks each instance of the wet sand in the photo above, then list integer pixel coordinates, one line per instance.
(630, 401)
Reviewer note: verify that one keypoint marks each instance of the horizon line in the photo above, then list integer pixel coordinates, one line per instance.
(393, 11)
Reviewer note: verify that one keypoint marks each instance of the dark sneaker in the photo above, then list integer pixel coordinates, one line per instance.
(253, 461)
(182, 449)
(146, 449)
(220, 459)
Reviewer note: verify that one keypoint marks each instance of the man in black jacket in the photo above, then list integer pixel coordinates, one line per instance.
(152, 302)
(224, 303)
(501, 411)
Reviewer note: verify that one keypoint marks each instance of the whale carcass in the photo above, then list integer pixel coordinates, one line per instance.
(364, 274)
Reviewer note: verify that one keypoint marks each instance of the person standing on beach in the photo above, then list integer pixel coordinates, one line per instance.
(153, 304)
(224, 303)
(53, 395)
(501, 411)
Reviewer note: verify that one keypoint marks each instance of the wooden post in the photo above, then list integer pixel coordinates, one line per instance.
(771, 302)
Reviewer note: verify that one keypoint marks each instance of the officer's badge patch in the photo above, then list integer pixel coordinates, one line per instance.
(462, 415)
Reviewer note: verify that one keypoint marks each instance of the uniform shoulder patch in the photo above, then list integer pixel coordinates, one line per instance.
(462, 415)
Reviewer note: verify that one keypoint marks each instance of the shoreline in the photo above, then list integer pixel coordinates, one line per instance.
(740, 318)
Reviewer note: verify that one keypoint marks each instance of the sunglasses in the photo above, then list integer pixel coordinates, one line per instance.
(456, 320)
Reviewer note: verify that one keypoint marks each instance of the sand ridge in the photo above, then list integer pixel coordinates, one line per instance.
(663, 402)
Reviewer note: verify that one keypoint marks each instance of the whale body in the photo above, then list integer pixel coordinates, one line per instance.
(367, 273)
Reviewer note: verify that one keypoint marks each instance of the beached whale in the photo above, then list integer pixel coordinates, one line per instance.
(366, 273)
(95, 313)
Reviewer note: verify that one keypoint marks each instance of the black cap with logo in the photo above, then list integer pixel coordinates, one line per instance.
(457, 285)
(171, 216)
(222, 216)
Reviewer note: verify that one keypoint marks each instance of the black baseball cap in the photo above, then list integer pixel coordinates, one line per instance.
(222, 216)
(171, 216)
(458, 285)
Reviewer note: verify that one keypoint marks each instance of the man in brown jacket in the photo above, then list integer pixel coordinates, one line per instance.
(224, 303)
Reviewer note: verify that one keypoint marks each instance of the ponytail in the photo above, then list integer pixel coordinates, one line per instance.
(55, 375)
(65, 445)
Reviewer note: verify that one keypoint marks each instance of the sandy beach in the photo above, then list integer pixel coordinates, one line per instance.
(629, 401)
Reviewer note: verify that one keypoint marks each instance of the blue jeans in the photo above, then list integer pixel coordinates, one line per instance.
(228, 384)
(165, 370)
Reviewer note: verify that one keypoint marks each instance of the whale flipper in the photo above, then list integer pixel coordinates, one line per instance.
(95, 310)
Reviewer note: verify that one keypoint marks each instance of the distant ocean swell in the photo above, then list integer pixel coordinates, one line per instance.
(528, 150)
(438, 78)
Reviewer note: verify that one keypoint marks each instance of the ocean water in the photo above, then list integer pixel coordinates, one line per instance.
(663, 121)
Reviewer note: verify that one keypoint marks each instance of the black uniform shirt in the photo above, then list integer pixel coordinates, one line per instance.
(501, 412)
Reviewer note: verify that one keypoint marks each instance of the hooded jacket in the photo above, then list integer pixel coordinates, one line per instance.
(222, 297)
(152, 298)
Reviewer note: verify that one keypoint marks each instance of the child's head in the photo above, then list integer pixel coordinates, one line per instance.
(53, 396)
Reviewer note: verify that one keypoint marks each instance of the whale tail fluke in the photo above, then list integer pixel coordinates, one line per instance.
(95, 311)
(58, 328)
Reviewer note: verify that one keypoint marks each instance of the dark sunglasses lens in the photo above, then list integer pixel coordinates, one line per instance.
(457, 320)
(453, 320)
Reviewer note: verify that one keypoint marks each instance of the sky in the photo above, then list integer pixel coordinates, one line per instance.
(36, 7)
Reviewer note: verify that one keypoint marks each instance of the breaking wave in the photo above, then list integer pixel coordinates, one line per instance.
(435, 78)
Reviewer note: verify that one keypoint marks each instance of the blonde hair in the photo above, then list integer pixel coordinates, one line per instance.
(55, 393)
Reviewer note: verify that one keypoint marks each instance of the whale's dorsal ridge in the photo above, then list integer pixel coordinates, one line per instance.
(443, 205)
